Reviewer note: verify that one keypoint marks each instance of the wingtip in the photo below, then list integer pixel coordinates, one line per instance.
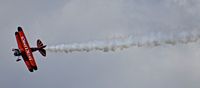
(19, 28)
(16, 33)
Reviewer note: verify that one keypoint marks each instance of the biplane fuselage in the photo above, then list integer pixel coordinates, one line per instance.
(25, 51)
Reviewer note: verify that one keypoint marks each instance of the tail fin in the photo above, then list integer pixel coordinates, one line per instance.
(41, 47)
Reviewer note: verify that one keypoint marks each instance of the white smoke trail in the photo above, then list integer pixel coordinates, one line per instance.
(127, 42)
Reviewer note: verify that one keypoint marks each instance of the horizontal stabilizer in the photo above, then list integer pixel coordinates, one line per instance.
(41, 47)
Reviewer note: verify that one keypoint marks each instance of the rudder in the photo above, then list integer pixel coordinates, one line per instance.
(41, 47)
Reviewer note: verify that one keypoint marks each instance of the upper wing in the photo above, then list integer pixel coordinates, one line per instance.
(26, 47)
(19, 43)
(22, 50)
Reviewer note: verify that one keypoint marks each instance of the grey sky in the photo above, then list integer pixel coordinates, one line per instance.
(69, 21)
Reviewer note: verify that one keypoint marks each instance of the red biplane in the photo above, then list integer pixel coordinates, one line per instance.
(26, 52)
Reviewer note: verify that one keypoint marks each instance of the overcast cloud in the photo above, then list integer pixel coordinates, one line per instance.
(69, 21)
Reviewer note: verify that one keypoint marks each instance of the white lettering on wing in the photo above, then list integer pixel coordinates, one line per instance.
(26, 48)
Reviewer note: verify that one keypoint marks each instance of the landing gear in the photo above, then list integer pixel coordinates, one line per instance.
(18, 59)
(17, 53)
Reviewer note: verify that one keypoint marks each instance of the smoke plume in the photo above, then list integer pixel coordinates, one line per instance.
(120, 43)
